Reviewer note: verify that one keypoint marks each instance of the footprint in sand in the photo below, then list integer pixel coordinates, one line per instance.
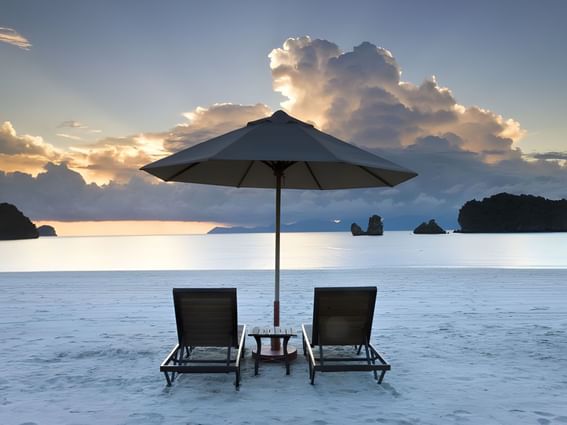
(545, 414)
(145, 418)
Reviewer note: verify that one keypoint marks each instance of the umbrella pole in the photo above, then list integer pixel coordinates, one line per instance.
(276, 341)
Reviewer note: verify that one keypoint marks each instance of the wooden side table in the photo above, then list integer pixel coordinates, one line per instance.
(271, 332)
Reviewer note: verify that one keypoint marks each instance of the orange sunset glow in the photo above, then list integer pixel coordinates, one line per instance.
(128, 227)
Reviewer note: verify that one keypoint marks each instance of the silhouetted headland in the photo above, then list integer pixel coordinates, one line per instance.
(14, 224)
(506, 213)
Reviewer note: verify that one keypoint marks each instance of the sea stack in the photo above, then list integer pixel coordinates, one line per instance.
(375, 227)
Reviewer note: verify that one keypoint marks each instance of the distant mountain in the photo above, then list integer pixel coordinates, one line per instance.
(503, 213)
(300, 226)
(14, 224)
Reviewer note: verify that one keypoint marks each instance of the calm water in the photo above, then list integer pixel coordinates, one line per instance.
(299, 251)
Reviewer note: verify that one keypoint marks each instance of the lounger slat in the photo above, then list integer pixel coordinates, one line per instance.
(351, 368)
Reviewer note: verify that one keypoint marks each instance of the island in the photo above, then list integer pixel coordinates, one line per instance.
(375, 227)
(507, 213)
(429, 228)
(14, 224)
(46, 230)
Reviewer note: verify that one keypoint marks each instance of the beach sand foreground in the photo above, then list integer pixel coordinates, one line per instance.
(484, 346)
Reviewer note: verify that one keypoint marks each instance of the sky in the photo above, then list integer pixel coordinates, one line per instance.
(469, 94)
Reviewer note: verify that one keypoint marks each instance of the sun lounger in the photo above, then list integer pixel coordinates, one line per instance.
(343, 317)
(205, 318)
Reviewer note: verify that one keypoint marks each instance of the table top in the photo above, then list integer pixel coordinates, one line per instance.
(271, 331)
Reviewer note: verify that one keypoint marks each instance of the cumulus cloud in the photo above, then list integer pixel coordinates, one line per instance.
(360, 96)
(11, 36)
(205, 123)
(24, 152)
(118, 159)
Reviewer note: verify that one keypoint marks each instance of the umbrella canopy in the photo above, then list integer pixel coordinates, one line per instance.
(279, 152)
(250, 157)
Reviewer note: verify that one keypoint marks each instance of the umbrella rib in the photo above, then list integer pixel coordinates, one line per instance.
(177, 174)
(245, 173)
(376, 176)
(313, 175)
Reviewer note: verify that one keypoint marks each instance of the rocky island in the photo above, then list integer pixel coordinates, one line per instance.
(46, 230)
(503, 213)
(14, 224)
(429, 228)
(375, 227)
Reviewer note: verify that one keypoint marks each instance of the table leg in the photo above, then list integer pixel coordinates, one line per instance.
(286, 340)
(258, 353)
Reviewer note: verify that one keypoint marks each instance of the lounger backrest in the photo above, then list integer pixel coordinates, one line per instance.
(206, 317)
(343, 316)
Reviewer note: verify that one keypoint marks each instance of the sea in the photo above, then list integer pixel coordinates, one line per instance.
(299, 251)
(473, 325)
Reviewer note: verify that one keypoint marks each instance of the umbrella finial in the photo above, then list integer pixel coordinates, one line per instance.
(279, 117)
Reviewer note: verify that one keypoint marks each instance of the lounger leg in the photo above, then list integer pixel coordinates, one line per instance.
(167, 379)
(358, 349)
(369, 360)
(179, 357)
(312, 376)
(381, 376)
(258, 351)
(286, 357)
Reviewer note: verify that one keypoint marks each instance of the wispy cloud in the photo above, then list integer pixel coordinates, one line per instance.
(72, 124)
(69, 136)
(10, 36)
(557, 156)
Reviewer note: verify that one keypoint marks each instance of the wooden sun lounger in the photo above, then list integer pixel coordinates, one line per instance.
(343, 317)
(205, 318)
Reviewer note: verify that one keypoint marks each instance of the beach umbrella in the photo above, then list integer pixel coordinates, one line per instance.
(279, 152)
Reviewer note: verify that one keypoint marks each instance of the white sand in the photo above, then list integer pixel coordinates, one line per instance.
(465, 345)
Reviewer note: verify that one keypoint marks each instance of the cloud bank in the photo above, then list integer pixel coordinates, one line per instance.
(461, 152)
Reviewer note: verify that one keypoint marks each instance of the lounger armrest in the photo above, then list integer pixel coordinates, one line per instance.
(308, 345)
(170, 356)
(240, 346)
(378, 355)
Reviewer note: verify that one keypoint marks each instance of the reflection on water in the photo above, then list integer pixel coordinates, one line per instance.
(299, 251)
